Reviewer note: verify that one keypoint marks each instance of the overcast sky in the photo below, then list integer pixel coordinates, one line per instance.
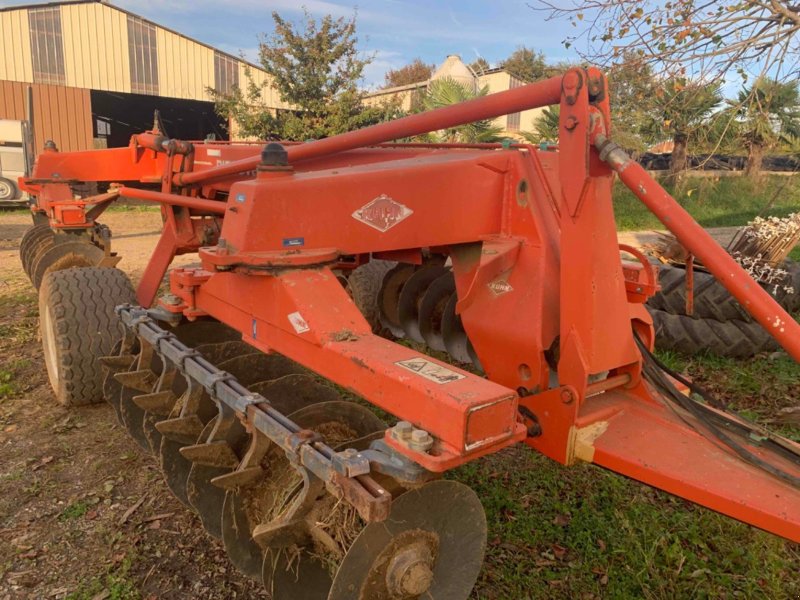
(394, 31)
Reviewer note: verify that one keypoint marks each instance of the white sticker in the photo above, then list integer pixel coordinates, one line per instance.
(298, 322)
(430, 370)
(213, 152)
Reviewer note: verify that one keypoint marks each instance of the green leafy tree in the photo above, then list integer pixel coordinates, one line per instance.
(414, 72)
(526, 64)
(445, 92)
(766, 113)
(316, 68)
(632, 90)
(682, 111)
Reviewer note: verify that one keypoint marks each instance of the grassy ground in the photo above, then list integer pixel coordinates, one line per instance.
(714, 202)
(582, 532)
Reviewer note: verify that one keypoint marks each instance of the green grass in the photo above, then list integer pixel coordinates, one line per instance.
(723, 202)
(114, 585)
(124, 206)
(582, 532)
(74, 511)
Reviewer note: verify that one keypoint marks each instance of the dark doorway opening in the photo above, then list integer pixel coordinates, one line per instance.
(117, 116)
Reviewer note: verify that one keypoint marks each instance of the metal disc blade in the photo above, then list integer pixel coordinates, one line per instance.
(445, 516)
(32, 238)
(175, 468)
(205, 332)
(64, 256)
(455, 338)
(295, 391)
(111, 387)
(431, 310)
(299, 578)
(257, 367)
(389, 296)
(411, 297)
(207, 499)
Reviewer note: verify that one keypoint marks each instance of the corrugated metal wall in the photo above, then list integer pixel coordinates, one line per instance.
(62, 114)
(15, 46)
(95, 39)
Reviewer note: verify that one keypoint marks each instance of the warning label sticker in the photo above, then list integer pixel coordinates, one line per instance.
(298, 322)
(430, 370)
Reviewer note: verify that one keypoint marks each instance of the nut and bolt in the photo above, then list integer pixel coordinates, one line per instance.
(171, 299)
(571, 123)
(567, 397)
(416, 439)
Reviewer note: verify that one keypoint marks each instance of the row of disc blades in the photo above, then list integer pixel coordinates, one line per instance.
(419, 303)
(42, 250)
(277, 522)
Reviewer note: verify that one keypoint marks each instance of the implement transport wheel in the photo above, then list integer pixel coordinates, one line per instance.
(30, 241)
(78, 325)
(431, 546)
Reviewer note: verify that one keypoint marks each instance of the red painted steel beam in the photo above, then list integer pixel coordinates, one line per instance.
(533, 95)
(763, 307)
(212, 206)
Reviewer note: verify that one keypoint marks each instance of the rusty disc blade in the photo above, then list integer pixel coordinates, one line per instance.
(455, 338)
(32, 238)
(63, 256)
(438, 528)
(389, 297)
(431, 310)
(300, 573)
(411, 298)
(111, 387)
(207, 499)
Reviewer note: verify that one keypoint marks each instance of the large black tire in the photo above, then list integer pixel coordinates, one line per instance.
(363, 285)
(78, 325)
(29, 242)
(734, 338)
(712, 300)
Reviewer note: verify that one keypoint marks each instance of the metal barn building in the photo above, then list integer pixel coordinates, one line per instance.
(97, 73)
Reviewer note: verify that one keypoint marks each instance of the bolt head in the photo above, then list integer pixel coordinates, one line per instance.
(566, 396)
(419, 436)
(402, 430)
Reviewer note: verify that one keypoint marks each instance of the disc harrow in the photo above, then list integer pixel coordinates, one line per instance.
(418, 303)
(271, 457)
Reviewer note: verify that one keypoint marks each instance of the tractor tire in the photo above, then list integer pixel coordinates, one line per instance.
(8, 191)
(734, 338)
(78, 325)
(712, 300)
(363, 285)
(30, 241)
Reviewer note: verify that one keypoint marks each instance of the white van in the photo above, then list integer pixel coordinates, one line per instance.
(13, 159)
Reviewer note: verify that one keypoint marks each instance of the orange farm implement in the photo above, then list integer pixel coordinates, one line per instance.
(522, 319)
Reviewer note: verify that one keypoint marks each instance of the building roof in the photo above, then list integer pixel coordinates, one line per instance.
(132, 14)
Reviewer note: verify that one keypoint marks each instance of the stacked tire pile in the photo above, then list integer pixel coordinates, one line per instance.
(718, 324)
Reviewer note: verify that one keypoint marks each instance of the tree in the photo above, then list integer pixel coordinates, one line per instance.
(701, 38)
(414, 72)
(633, 107)
(316, 68)
(447, 91)
(545, 126)
(480, 65)
(766, 113)
(526, 64)
(682, 111)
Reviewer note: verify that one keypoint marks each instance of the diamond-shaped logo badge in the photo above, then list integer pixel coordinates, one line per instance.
(382, 213)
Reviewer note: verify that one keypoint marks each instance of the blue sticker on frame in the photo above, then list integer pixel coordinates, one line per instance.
(293, 242)
(240, 197)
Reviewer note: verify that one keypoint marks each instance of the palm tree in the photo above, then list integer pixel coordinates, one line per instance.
(447, 91)
(683, 107)
(545, 126)
(766, 112)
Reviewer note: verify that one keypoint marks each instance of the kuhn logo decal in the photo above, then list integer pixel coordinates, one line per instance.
(382, 213)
